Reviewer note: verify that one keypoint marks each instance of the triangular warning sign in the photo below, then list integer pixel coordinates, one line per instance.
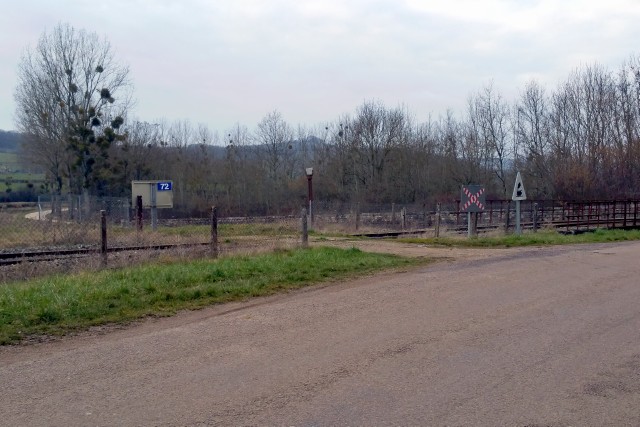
(518, 189)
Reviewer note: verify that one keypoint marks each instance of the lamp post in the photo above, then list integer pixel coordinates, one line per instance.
(309, 172)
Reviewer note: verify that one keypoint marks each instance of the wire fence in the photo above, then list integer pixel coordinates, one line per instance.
(68, 224)
(74, 222)
(371, 218)
(67, 233)
(73, 233)
(447, 218)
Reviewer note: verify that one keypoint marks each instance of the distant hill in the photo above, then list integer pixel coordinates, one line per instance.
(9, 141)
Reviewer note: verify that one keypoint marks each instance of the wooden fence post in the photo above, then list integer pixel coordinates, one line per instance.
(490, 212)
(139, 213)
(355, 214)
(103, 234)
(214, 232)
(475, 216)
(305, 229)
(437, 227)
(507, 213)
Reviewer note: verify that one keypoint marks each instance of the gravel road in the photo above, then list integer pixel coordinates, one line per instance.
(518, 337)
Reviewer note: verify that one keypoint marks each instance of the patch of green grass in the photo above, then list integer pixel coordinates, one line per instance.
(22, 176)
(12, 176)
(178, 231)
(18, 181)
(227, 233)
(530, 239)
(8, 157)
(19, 187)
(230, 230)
(268, 229)
(58, 304)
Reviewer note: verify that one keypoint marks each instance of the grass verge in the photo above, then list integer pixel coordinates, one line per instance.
(59, 304)
(530, 239)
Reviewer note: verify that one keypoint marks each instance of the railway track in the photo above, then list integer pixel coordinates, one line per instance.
(11, 258)
(561, 226)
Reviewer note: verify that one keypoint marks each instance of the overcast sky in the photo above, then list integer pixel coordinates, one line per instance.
(222, 62)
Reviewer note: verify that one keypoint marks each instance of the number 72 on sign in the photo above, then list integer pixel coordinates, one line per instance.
(165, 186)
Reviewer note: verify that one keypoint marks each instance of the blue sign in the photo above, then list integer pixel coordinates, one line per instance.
(164, 186)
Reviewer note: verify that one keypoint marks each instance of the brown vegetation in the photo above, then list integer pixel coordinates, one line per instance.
(578, 141)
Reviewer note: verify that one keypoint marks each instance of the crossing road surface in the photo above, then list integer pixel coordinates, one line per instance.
(533, 337)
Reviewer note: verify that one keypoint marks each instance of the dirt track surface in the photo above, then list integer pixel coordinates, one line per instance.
(518, 337)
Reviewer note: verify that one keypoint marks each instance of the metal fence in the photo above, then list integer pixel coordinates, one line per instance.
(82, 209)
(499, 215)
(71, 233)
(33, 228)
(74, 222)
(361, 218)
(75, 232)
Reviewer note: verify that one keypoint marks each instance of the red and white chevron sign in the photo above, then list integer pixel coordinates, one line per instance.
(472, 199)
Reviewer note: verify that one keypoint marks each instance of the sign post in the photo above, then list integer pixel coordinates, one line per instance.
(154, 208)
(518, 195)
(472, 201)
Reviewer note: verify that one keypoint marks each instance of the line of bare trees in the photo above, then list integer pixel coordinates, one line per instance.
(579, 140)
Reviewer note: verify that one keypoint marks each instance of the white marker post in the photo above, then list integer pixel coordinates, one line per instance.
(518, 195)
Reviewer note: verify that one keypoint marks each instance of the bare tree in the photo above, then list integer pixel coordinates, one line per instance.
(531, 130)
(489, 116)
(583, 133)
(627, 125)
(239, 171)
(275, 136)
(133, 158)
(377, 132)
(180, 136)
(72, 98)
(473, 152)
